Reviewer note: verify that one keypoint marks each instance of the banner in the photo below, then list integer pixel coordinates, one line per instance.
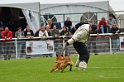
(121, 42)
(39, 47)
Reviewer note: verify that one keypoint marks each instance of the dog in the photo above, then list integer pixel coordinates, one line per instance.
(61, 63)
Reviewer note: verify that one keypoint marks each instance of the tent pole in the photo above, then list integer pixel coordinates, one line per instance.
(39, 17)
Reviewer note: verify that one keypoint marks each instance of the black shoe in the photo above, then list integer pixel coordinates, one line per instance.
(8, 58)
(95, 54)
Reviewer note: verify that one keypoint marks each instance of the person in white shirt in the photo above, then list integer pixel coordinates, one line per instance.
(81, 33)
(43, 32)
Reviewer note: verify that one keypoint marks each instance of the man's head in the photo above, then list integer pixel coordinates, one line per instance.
(68, 19)
(114, 26)
(64, 28)
(54, 27)
(47, 27)
(28, 28)
(1, 28)
(110, 16)
(19, 29)
(43, 29)
(6, 29)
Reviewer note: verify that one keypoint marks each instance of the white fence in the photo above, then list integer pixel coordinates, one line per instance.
(50, 46)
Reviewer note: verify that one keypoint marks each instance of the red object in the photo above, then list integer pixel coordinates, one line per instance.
(6, 35)
(104, 23)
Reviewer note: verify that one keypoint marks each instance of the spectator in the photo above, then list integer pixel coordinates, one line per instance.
(28, 33)
(92, 39)
(115, 38)
(48, 30)
(19, 35)
(37, 33)
(68, 23)
(1, 44)
(64, 32)
(1, 24)
(103, 26)
(50, 23)
(1, 29)
(43, 32)
(7, 35)
(55, 32)
(111, 21)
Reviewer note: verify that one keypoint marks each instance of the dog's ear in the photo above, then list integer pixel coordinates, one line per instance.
(62, 55)
(56, 55)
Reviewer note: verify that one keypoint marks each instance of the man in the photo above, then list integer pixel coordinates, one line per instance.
(7, 35)
(115, 38)
(80, 32)
(111, 21)
(19, 35)
(48, 30)
(1, 44)
(55, 31)
(28, 33)
(68, 24)
(43, 32)
(92, 40)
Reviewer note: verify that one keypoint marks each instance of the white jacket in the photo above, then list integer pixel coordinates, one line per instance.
(42, 33)
(80, 35)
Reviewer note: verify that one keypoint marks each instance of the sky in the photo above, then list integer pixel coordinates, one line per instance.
(117, 5)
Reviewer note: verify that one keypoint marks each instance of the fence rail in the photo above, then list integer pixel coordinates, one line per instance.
(97, 44)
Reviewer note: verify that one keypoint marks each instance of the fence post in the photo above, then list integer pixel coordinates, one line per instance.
(63, 46)
(16, 48)
(110, 43)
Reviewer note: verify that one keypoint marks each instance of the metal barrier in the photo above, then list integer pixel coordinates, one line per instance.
(97, 43)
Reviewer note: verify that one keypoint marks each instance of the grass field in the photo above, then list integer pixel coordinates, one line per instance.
(101, 68)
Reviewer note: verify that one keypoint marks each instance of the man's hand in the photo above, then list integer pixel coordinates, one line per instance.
(66, 44)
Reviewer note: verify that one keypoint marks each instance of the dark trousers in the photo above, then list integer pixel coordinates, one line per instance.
(82, 50)
(7, 50)
(93, 42)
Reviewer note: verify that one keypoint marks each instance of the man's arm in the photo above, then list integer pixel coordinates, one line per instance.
(3, 34)
(77, 37)
(11, 35)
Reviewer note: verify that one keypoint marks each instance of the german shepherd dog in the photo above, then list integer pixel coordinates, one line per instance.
(61, 63)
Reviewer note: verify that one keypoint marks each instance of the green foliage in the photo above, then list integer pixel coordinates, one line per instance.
(101, 68)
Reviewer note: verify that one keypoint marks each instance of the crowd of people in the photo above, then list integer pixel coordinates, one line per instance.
(104, 26)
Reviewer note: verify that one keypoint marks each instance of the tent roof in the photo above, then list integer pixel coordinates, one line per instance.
(117, 7)
(34, 6)
(101, 4)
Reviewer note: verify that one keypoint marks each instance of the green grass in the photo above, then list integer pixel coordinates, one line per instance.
(101, 68)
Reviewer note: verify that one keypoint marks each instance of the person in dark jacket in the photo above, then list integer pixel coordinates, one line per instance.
(68, 24)
(92, 39)
(28, 33)
(37, 33)
(115, 38)
(65, 32)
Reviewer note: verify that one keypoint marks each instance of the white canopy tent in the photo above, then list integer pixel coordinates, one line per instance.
(57, 7)
(32, 8)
